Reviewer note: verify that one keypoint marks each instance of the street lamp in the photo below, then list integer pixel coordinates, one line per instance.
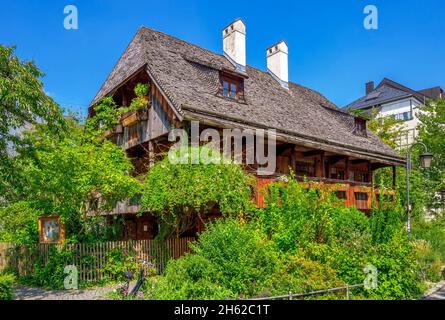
(425, 161)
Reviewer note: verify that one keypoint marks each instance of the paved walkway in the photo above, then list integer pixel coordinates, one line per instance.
(438, 295)
(27, 293)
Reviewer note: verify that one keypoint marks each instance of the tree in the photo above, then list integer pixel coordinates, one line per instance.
(23, 103)
(388, 129)
(181, 193)
(432, 133)
(385, 127)
(73, 176)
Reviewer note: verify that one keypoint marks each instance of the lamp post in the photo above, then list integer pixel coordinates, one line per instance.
(425, 160)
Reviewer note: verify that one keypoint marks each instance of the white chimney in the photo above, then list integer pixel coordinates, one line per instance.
(234, 44)
(277, 63)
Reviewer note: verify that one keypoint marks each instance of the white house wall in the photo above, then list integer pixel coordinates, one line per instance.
(409, 127)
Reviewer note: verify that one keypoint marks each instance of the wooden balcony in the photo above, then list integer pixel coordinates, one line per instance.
(355, 194)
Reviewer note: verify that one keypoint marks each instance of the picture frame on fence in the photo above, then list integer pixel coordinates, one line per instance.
(51, 230)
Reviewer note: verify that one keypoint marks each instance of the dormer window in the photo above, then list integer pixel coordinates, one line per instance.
(232, 87)
(229, 89)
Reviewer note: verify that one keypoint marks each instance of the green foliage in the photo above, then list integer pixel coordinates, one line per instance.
(243, 258)
(292, 209)
(231, 259)
(141, 100)
(385, 221)
(19, 224)
(431, 130)
(64, 175)
(180, 193)
(6, 284)
(24, 102)
(387, 128)
(48, 273)
(191, 278)
(398, 269)
(298, 274)
(432, 133)
(118, 261)
(303, 240)
(430, 246)
(107, 114)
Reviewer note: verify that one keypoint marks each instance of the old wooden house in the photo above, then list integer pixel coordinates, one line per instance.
(315, 138)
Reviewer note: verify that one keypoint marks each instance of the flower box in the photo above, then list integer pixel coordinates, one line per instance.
(130, 118)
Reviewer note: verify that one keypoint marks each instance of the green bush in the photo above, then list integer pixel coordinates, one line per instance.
(241, 255)
(298, 274)
(294, 210)
(430, 246)
(189, 278)
(19, 223)
(6, 283)
(431, 266)
(232, 259)
(398, 269)
(179, 194)
(50, 275)
(118, 261)
(304, 240)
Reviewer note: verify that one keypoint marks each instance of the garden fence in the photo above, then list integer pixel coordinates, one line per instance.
(291, 295)
(90, 259)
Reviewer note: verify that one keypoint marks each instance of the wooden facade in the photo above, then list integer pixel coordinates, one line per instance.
(316, 141)
(144, 136)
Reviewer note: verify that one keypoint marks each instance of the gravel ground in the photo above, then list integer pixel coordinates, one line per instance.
(27, 293)
(437, 293)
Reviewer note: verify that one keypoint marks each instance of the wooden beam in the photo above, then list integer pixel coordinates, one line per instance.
(359, 161)
(347, 168)
(335, 159)
(312, 153)
(375, 166)
(394, 177)
(293, 160)
(323, 165)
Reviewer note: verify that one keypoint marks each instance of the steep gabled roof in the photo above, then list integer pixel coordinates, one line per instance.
(189, 77)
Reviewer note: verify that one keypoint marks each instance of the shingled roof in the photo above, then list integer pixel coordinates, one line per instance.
(189, 77)
(388, 91)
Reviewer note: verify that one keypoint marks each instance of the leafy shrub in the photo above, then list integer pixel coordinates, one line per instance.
(398, 270)
(19, 223)
(6, 283)
(294, 210)
(50, 274)
(189, 278)
(430, 246)
(298, 274)
(429, 262)
(243, 258)
(303, 240)
(118, 261)
(180, 193)
(232, 259)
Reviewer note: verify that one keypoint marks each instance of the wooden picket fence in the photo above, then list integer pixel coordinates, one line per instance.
(90, 259)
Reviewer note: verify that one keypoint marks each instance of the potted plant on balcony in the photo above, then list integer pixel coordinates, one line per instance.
(137, 110)
(116, 130)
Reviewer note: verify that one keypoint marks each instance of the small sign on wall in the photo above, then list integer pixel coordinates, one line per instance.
(51, 230)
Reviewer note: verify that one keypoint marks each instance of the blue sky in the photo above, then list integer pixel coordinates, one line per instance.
(329, 49)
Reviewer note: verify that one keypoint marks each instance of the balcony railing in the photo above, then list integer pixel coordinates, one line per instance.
(354, 193)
